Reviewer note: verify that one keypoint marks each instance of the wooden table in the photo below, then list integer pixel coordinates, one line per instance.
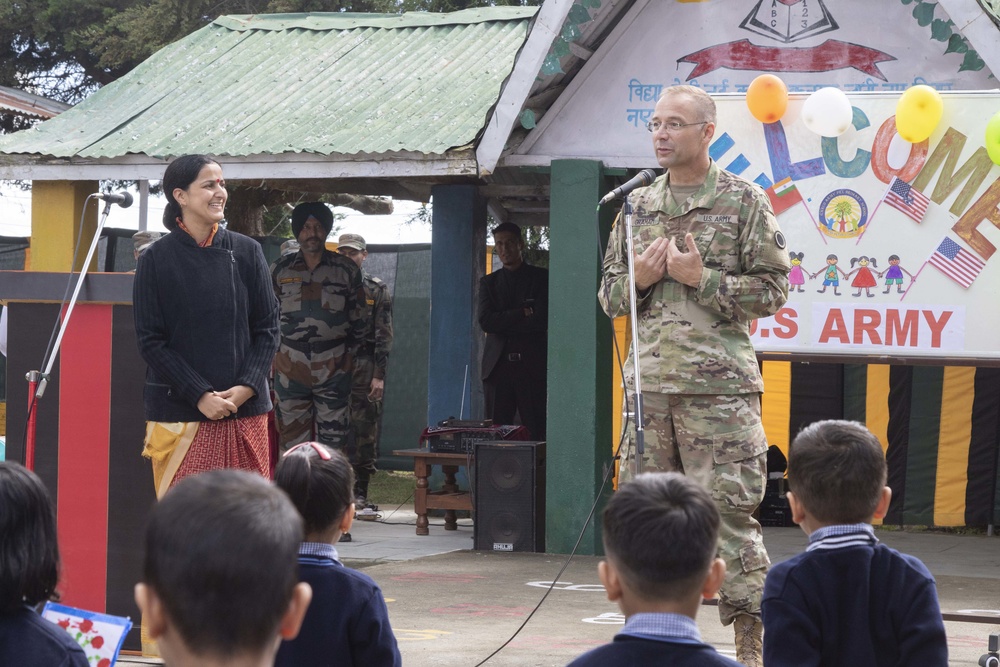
(448, 498)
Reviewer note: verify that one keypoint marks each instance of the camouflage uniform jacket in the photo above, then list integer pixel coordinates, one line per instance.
(325, 305)
(696, 340)
(378, 331)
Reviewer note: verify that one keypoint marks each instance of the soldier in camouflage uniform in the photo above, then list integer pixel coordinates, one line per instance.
(369, 368)
(322, 324)
(709, 259)
(142, 240)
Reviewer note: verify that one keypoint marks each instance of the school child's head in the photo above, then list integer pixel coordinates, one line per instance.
(837, 472)
(29, 552)
(220, 576)
(320, 482)
(661, 536)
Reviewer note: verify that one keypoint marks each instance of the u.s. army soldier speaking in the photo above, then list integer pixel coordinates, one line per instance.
(709, 259)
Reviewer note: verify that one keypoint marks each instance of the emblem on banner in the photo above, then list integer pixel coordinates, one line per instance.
(789, 20)
(843, 214)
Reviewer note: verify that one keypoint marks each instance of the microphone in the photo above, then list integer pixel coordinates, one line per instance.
(123, 199)
(642, 179)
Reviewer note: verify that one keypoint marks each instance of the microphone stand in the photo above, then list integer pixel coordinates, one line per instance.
(38, 380)
(640, 434)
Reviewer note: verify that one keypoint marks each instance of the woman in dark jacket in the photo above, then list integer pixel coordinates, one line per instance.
(206, 322)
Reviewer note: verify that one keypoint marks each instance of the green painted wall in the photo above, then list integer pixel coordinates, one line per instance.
(579, 382)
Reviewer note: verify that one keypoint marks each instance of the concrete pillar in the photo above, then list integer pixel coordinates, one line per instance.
(579, 449)
(458, 242)
(55, 224)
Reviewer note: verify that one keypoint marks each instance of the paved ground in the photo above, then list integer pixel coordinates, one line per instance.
(451, 606)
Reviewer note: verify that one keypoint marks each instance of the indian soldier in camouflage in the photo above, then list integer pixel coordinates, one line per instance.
(709, 258)
(323, 317)
(142, 240)
(369, 368)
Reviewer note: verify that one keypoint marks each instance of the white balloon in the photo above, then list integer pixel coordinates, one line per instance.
(828, 112)
(899, 152)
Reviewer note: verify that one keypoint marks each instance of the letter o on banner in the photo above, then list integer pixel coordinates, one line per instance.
(918, 113)
(767, 98)
(828, 112)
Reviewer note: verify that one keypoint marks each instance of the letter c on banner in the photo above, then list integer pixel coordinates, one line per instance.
(831, 151)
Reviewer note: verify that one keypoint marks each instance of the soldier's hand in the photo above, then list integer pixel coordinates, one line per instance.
(377, 389)
(651, 265)
(684, 267)
(214, 406)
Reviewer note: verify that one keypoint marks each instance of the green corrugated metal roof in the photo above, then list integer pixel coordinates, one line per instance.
(289, 83)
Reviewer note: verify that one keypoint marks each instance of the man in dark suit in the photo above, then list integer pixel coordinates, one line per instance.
(514, 312)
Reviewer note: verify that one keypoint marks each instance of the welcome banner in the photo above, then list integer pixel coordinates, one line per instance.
(891, 243)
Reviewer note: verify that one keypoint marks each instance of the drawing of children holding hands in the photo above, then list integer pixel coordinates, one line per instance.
(894, 275)
(831, 275)
(865, 279)
(796, 276)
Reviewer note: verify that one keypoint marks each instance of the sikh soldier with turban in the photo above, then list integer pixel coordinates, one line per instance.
(323, 320)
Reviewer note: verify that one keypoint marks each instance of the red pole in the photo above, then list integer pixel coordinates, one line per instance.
(29, 436)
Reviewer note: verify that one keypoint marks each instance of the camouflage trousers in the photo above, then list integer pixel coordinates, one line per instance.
(365, 420)
(313, 391)
(719, 442)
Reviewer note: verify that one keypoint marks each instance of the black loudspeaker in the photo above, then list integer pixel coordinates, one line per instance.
(509, 496)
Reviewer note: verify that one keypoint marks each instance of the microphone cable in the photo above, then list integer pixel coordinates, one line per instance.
(626, 419)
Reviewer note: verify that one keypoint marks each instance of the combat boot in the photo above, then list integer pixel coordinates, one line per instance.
(749, 632)
(360, 493)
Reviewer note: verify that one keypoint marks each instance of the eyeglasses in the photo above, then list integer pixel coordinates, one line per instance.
(655, 125)
(320, 450)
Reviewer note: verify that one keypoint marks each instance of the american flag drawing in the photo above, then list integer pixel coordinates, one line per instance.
(957, 263)
(902, 197)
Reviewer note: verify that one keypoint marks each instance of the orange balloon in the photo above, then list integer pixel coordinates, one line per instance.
(767, 98)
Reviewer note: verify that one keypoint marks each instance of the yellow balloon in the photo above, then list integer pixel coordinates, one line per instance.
(918, 113)
(767, 98)
(993, 138)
